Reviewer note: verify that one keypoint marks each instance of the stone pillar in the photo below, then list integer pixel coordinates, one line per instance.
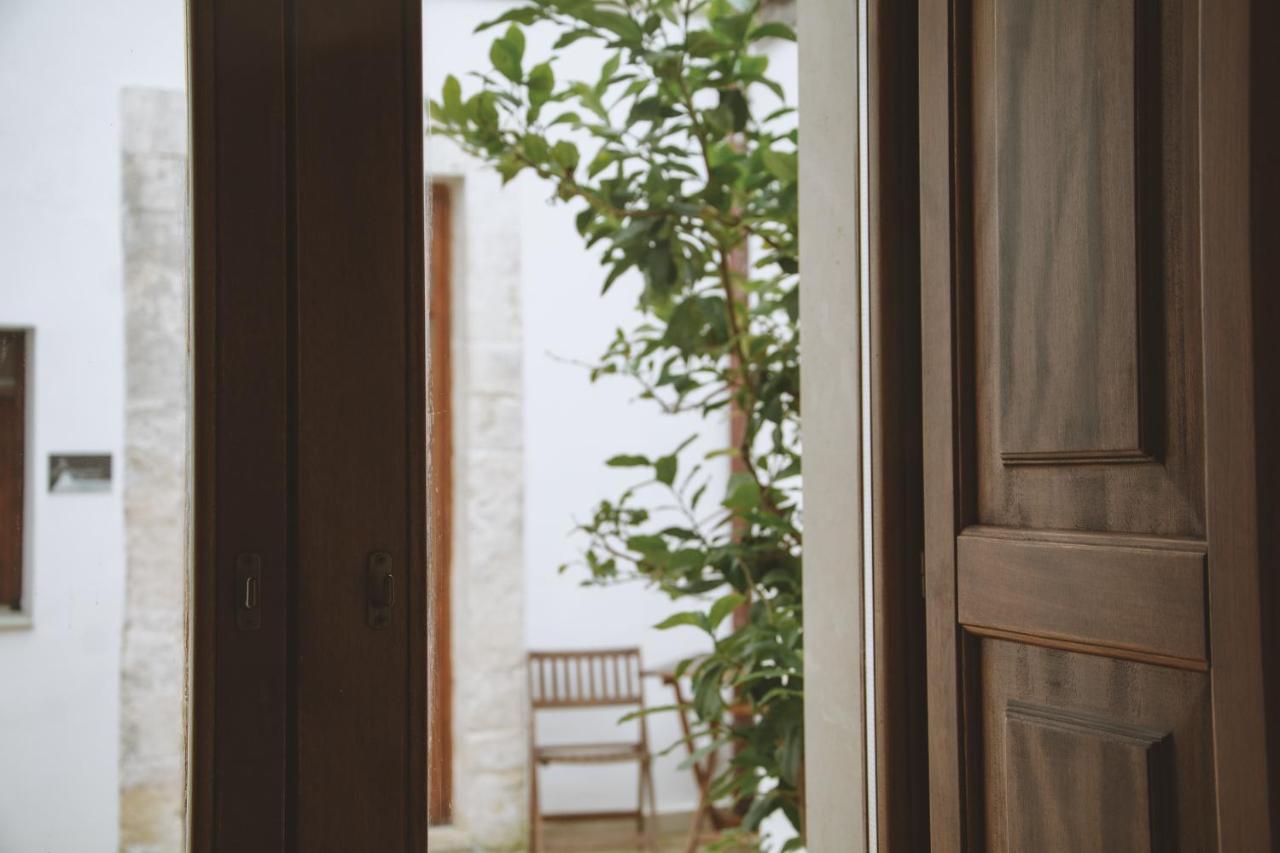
(152, 754)
(490, 698)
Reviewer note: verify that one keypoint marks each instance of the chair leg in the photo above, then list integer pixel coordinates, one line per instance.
(649, 818)
(640, 822)
(535, 809)
(699, 815)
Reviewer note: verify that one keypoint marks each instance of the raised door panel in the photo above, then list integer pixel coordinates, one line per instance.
(1069, 85)
(1086, 348)
(1074, 782)
(1126, 595)
(1080, 752)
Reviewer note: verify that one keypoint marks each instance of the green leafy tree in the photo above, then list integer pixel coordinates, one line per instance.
(677, 173)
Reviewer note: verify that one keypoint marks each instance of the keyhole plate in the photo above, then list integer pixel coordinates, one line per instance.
(248, 592)
(380, 590)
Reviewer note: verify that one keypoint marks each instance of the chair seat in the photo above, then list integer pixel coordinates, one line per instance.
(588, 753)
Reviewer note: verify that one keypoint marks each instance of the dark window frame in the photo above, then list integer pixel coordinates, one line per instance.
(14, 382)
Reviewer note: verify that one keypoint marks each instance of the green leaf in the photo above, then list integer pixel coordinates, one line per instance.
(627, 30)
(523, 15)
(615, 274)
(744, 494)
(515, 36)
(604, 158)
(675, 620)
(761, 808)
(701, 43)
(541, 82)
(627, 461)
(508, 167)
(507, 53)
(791, 755)
(647, 544)
(782, 165)
(733, 27)
(659, 271)
(570, 37)
(723, 607)
(773, 30)
(482, 110)
(736, 102)
(565, 153)
(706, 693)
(686, 559)
(607, 71)
(664, 470)
(535, 147)
(451, 100)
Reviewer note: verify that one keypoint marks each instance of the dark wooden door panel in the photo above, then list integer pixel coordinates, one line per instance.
(1126, 594)
(310, 426)
(240, 294)
(1069, 562)
(1075, 783)
(1067, 92)
(360, 449)
(1081, 752)
(1086, 330)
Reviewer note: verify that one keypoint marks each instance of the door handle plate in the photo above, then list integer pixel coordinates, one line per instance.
(380, 590)
(248, 592)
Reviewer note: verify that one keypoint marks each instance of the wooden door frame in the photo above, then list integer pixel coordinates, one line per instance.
(440, 390)
(1238, 209)
(245, 208)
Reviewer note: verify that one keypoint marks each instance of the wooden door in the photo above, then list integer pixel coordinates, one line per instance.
(1092, 565)
(310, 448)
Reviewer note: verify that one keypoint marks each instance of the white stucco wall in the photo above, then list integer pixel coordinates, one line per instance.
(62, 66)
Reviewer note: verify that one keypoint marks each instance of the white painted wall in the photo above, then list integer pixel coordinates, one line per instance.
(62, 66)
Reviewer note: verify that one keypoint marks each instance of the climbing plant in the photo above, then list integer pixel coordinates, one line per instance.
(680, 158)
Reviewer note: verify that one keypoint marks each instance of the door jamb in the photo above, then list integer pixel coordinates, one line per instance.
(835, 703)
(843, 266)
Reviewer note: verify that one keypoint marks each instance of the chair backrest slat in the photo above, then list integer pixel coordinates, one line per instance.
(585, 678)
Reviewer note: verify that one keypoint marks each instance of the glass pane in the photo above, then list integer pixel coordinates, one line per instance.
(93, 425)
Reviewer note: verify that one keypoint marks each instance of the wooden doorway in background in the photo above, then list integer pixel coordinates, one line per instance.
(440, 553)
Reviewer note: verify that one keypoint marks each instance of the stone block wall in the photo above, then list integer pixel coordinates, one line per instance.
(152, 748)
(490, 701)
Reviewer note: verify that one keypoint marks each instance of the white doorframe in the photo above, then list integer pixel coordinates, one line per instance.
(833, 386)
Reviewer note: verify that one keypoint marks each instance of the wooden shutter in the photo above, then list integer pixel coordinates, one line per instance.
(13, 375)
(1099, 587)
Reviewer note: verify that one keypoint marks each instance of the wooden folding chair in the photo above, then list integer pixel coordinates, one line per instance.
(587, 679)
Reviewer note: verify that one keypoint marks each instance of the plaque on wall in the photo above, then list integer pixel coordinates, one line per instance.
(79, 473)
